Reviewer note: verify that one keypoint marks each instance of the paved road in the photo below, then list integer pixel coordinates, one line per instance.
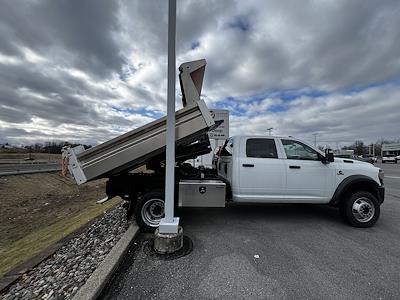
(392, 178)
(11, 169)
(305, 252)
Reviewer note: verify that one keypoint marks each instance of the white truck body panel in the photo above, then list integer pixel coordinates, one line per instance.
(264, 180)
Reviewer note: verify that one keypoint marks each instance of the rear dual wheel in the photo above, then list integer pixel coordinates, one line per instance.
(149, 211)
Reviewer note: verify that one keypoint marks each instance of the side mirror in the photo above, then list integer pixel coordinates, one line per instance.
(329, 157)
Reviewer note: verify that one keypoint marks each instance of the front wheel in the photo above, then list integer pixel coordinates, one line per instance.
(361, 209)
(149, 211)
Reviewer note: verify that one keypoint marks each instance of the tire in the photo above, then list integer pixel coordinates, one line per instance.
(149, 211)
(361, 209)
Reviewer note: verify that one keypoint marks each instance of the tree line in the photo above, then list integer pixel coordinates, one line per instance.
(46, 147)
(360, 148)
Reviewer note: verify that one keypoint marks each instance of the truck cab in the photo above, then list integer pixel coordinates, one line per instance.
(265, 169)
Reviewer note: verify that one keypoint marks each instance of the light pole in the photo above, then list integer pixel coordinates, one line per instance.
(169, 224)
(270, 130)
(168, 237)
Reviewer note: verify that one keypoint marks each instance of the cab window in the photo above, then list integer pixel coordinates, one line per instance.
(297, 150)
(261, 148)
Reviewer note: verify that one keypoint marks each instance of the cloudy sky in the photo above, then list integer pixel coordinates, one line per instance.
(90, 70)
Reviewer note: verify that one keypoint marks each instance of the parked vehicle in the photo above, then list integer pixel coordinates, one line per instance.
(389, 158)
(373, 159)
(368, 158)
(250, 169)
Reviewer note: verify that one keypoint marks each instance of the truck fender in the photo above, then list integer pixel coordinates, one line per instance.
(357, 181)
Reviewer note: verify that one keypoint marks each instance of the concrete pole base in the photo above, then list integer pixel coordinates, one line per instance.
(167, 243)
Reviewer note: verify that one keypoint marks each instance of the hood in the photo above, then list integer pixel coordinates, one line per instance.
(350, 160)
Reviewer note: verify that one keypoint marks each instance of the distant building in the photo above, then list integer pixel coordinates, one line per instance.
(393, 148)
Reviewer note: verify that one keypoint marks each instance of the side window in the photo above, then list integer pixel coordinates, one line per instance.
(297, 150)
(227, 149)
(261, 148)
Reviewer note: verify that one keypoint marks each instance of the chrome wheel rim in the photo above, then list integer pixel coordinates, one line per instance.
(152, 212)
(363, 210)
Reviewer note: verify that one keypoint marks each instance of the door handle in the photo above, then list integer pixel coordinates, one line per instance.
(248, 165)
(294, 167)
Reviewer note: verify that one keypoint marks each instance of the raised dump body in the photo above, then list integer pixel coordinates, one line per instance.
(139, 146)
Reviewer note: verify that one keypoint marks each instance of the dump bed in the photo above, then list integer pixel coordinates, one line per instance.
(137, 147)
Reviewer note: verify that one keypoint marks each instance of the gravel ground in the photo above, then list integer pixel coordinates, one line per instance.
(62, 274)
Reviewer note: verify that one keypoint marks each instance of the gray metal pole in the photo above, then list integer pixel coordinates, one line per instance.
(170, 159)
(170, 151)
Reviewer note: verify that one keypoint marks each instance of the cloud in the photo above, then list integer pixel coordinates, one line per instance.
(75, 34)
(331, 67)
(337, 118)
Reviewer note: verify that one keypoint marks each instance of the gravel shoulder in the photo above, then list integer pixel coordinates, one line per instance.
(61, 275)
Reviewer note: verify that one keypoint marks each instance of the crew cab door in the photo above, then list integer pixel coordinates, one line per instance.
(308, 180)
(261, 172)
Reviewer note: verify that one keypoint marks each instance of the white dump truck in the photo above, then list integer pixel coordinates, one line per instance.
(250, 169)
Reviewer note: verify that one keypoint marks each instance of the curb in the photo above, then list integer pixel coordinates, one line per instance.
(95, 284)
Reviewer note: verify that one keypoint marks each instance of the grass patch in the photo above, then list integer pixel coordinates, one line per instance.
(35, 242)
